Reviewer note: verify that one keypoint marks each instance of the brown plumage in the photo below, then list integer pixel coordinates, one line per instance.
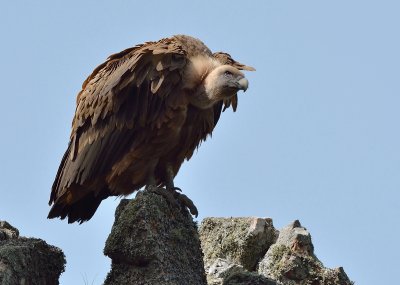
(139, 115)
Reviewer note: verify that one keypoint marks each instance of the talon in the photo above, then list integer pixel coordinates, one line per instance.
(177, 189)
(189, 204)
(173, 189)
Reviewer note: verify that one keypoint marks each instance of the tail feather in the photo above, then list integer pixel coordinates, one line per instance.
(79, 211)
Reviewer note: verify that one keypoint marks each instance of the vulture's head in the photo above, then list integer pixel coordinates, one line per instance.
(212, 82)
(224, 82)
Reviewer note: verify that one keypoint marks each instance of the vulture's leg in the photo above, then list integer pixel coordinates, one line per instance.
(170, 180)
(151, 182)
(179, 196)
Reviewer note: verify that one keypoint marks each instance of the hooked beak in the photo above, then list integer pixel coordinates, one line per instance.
(243, 84)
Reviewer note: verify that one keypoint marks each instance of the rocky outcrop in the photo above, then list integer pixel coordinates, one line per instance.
(233, 247)
(291, 260)
(242, 241)
(28, 261)
(154, 242)
(250, 251)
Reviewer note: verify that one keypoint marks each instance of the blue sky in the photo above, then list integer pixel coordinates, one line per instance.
(315, 138)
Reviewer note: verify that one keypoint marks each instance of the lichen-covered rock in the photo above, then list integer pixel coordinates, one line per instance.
(153, 242)
(291, 260)
(232, 248)
(242, 241)
(248, 278)
(7, 231)
(222, 269)
(28, 261)
(335, 276)
(227, 273)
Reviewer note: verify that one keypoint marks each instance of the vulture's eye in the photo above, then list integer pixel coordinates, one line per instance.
(227, 73)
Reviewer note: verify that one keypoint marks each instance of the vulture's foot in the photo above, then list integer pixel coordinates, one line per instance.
(185, 201)
(175, 198)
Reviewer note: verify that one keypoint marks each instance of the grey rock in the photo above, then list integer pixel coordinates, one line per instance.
(248, 278)
(153, 242)
(242, 241)
(222, 269)
(291, 260)
(232, 248)
(28, 261)
(227, 273)
(7, 231)
(335, 276)
(298, 237)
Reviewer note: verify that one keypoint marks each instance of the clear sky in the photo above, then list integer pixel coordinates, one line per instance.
(315, 138)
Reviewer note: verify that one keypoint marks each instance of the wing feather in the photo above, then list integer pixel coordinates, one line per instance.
(123, 94)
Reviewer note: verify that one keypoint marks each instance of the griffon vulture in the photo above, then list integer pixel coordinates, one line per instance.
(139, 115)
